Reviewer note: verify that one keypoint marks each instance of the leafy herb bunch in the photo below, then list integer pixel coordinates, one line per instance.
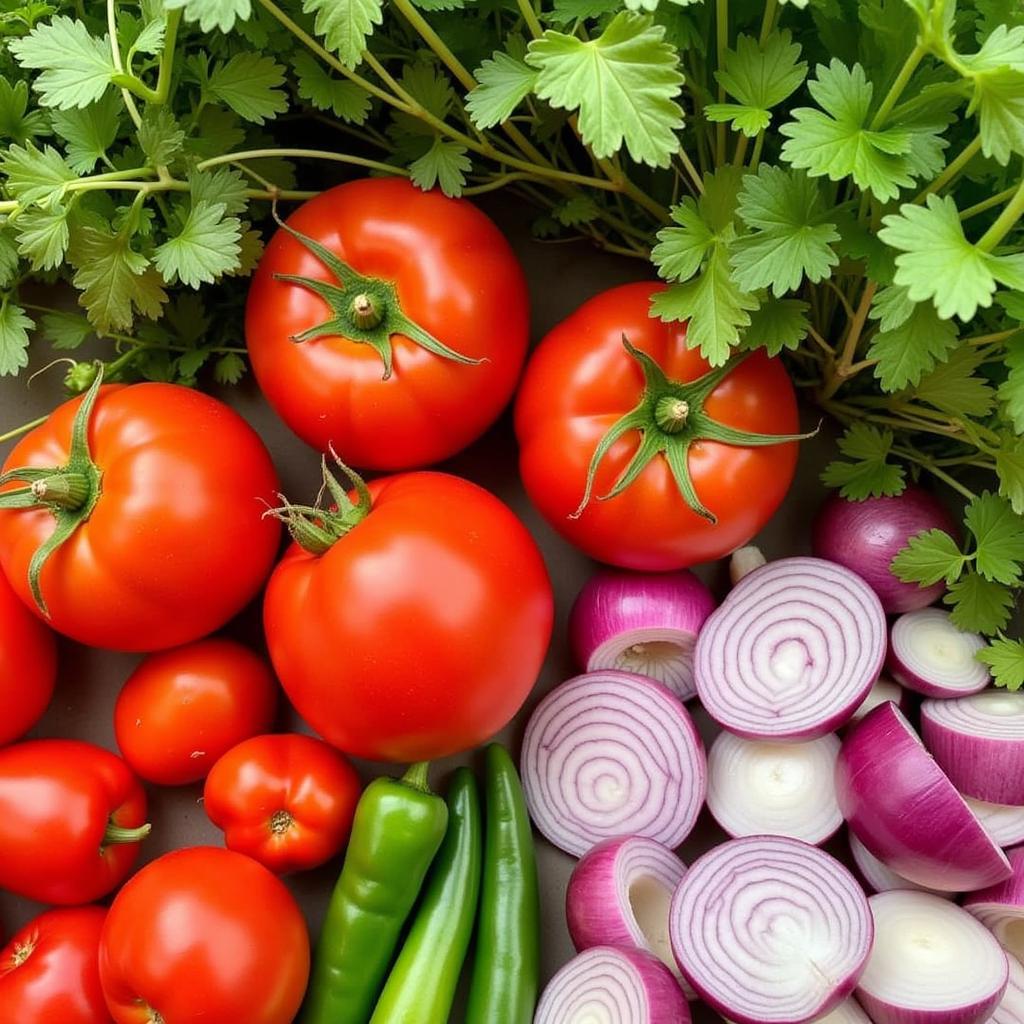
(837, 180)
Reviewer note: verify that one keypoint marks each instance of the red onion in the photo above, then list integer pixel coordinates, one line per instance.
(979, 741)
(866, 536)
(645, 623)
(619, 895)
(756, 787)
(877, 877)
(606, 984)
(1000, 907)
(1011, 1009)
(932, 963)
(744, 561)
(902, 807)
(792, 651)
(883, 690)
(930, 655)
(848, 1012)
(612, 754)
(770, 929)
(1003, 822)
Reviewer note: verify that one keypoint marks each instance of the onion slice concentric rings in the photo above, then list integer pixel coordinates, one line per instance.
(1011, 1008)
(883, 690)
(877, 877)
(1003, 822)
(931, 656)
(1000, 907)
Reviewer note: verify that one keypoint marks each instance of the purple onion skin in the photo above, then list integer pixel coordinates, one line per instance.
(901, 806)
(882, 1012)
(866, 536)
(613, 602)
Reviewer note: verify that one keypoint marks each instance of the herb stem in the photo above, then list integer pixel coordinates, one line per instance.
(986, 204)
(755, 157)
(952, 169)
(989, 339)
(930, 465)
(771, 9)
(530, 18)
(115, 55)
(914, 58)
(25, 427)
(845, 367)
(301, 154)
(721, 45)
(1005, 222)
(163, 81)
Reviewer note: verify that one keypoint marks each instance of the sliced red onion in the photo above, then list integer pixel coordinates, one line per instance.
(877, 877)
(1011, 1008)
(883, 690)
(744, 561)
(619, 894)
(848, 1012)
(931, 962)
(792, 651)
(866, 536)
(979, 741)
(901, 806)
(757, 787)
(1000, 907)
(608, 985)
(612, 754)
(929, 655)
(1003, 822)
(770, 929)
(646, 623)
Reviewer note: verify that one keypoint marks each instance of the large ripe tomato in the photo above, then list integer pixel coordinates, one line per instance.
(421, 630)
(582, 380)
(180, 710)
(170, 540)
(204, 936)
(28, 665)
(49, 972)
(453, 274)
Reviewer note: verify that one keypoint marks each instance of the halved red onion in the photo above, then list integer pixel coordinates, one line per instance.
(619, 894)
(1011, 1007)
(611, 754)
(645, 623)
(901, 806)
(848, 1012)
(744, 561)
(769, 929)
(1000, 907)
(979, 741)
(883, 690)
(759, 787)
(931, 962)
(608, 985)
(877, 877)
(929, 655)
(792, 651)
(1003, 822)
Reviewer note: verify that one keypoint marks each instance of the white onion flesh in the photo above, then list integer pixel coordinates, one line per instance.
(1000, 907)
(878, 877)
(756, 787)
(611, 754)
(770, 930)
(931, 961)
(884, 690)
(929, 655)
(605, 985)
(1011, 1007)
(979, 741)
(1003, 822)
(792, 651)
(744, 561)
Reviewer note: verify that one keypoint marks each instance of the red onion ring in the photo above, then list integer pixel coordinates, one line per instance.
(1011, 1008)
(883, 690)
(792, 651)
(1003, 822)
(901, 806)
(979, 741)
(770, 930)
(611, 754)
(1000, 907)
(877, 877)
(929, 655)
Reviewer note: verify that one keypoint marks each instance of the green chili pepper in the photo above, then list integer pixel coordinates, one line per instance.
(504, 985)
(399, 826)
(422, 984)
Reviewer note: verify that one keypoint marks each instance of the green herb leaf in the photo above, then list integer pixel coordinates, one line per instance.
(17, 122)
(623, 82)
(565, 11)
(777, 324)
(65, 331)
(345, 25)
(222, 185)
(868, 473)
(913, 348)
(250, 85)
(1010, 470)
(954, 387)
(9, 259)
(1011, 391)
(576, 210)
(929, 556)
(205, 248)
(34, 175)
(14, 327)
(444, 164)
(343, 98)
(88, 132)
(229, 369)
(999, 534)
(504, 83)
(1006, 659)
(999, 102)
(213, 14)
(43, 236)
(978, 604)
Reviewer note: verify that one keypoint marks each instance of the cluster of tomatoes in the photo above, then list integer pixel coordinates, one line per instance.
(407, 620)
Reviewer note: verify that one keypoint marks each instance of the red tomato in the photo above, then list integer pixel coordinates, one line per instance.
(204, 936)
(581, 380)
(71, 817)
(421, 631)
(456, 278)
(285, 800)
(28, 666)
(176, 543)
(182, 709)
(49, 972)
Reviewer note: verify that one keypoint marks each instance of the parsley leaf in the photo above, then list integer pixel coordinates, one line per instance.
(978, 604)
(1006, 659)
(999, 101)
(1011, 391)
(504, 83)
(928, 557)
(345, 99)
(777, 324)
(43, 236)
(623, 82)
(999, 534)
(160, 136)
(912, 348)
(14, 327)
(213, 14)
(204, 249)
(229, 369)
(222, 185)
(954, 387)
(88, 132)
(250, 85)
(868, 473)
(35, 175)
(65, 331)
(1010, 470)
(17, 122)
(445, 164)
(345, 24)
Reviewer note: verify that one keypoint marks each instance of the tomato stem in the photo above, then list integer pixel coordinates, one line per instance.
(281, 822)
(68, 490)
(365, 312)
(671, 413)
(117, 835)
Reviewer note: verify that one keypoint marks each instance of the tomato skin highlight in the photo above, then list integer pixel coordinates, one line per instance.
(299, 777)
(419, 633)
(49, 971)
(28, 665)
(457, 278)
(203, 935)
(580, 381)
(177, 543)
(56, 800)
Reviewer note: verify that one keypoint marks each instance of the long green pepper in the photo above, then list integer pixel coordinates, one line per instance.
(422, 984)
(507, 967)
(399, 826)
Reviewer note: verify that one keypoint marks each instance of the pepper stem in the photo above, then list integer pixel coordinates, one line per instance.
(116, 835)
(365, 313)
(418, 776)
